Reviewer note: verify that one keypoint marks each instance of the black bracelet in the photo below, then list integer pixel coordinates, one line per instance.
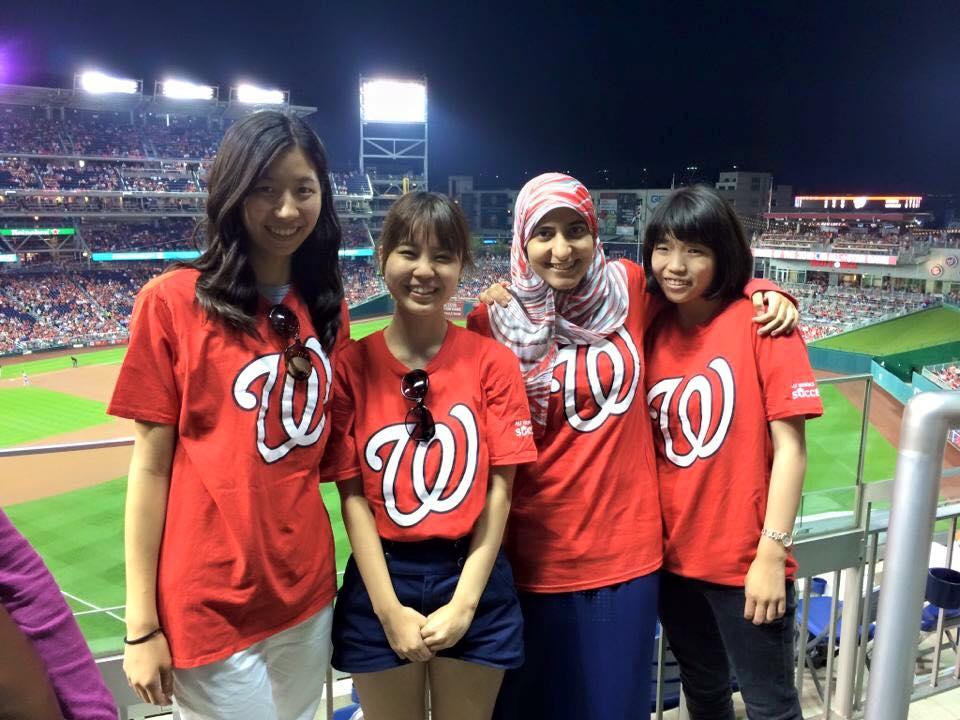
(137, 641)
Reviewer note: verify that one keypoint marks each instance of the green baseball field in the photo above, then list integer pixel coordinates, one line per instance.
(80, 533)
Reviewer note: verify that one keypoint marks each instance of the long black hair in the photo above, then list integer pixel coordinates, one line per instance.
(227, 287)
(698, 214)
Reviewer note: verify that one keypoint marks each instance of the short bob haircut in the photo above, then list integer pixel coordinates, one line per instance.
(698, 214)
(418, 216)
(227, 287)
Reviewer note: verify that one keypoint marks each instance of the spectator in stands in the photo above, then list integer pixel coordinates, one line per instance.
(46, 669)
(727, 600)
(230, 555)
(584, 535)
(427, 597)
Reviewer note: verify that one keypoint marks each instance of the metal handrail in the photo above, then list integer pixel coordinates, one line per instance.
(923, 438)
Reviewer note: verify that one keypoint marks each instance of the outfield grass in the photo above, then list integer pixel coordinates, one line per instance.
(833, 447)
(930, 327)
(62, 362)
(79, 534)
(29, 413)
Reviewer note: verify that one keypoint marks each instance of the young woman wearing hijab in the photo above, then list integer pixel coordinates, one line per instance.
(584, 533)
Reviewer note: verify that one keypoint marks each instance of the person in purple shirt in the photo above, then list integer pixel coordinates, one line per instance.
(29, 596)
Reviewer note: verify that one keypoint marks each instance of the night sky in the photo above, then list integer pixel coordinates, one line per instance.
(829, 96)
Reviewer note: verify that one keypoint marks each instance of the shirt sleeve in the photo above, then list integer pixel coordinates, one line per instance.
(787, 380)
(763, 285)
(478, 321)
(147, 387)
(509, 432)
(340, 461)
(30, 595)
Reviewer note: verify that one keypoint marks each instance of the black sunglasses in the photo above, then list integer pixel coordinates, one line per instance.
(414, 386)
(285, 324)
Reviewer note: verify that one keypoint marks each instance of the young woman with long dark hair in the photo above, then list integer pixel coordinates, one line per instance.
(229, 551)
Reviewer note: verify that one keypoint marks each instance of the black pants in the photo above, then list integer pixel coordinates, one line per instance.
(709, 636)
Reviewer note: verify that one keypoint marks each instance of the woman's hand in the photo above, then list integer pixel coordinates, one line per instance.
(403, 627)
(779, 317)
(446, 625)
(765, 588)
(149, 670)
(496, 293)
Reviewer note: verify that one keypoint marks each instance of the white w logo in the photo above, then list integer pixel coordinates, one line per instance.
(431, 499)
(298, 433)
(700, 445)
(608, 402)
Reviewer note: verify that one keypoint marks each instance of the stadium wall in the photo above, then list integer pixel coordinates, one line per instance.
(905, 365)
(923, 384)
(374, 307)
(839, 361)
(896, 387)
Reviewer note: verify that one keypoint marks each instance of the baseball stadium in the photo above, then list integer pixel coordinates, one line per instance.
(101, 192)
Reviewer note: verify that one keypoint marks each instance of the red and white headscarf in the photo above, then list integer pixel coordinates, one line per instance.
(540, 319)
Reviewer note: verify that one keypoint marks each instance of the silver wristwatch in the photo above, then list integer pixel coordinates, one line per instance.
(785, 539)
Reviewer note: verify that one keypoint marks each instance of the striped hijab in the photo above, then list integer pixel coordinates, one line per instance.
(540, 319)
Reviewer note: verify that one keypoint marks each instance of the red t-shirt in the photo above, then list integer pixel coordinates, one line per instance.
(416, 490)
(247, 549)
(586, 514)
(713, 391)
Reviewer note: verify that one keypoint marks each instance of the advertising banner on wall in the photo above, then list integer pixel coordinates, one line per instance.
(607, 213)
(626, 214)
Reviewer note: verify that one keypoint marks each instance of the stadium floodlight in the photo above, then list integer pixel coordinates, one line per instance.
(96, 82)
(384, 100)
(183, 90)
(259, 96)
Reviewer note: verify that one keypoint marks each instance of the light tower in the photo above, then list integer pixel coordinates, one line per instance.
(393, 133)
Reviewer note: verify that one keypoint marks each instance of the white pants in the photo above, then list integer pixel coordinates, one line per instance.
(279, 678)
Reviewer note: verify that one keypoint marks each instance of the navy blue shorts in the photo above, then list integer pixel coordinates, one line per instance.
(424, 576)
(589, 654)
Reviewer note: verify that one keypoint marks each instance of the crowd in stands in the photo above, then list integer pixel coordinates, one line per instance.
(186, 137)
(173, 234)
(946, 375)
(350, 183)
(50, 308)
(356, 235)
(830, 310)
(889, 243)
(24, 174)
(487, 270)
(15, 174)
(361, 280)
(23, 131)
(90, 176)
(105, 134)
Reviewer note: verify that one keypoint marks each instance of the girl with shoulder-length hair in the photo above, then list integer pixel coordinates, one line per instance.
(429, 422)
(730, 464)
(229, 550)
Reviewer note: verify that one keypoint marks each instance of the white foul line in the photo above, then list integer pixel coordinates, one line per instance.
(94, 607)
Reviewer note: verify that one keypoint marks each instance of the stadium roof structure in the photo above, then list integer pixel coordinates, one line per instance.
(72, 99)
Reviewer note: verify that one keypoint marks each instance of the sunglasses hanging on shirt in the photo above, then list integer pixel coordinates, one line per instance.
(419, 421)
(284, 323)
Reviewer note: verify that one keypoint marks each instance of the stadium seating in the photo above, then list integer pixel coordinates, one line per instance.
(830, 310)
(110, 135)
(60, 307)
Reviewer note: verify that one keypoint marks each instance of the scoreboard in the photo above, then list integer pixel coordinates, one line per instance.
(852, 203)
